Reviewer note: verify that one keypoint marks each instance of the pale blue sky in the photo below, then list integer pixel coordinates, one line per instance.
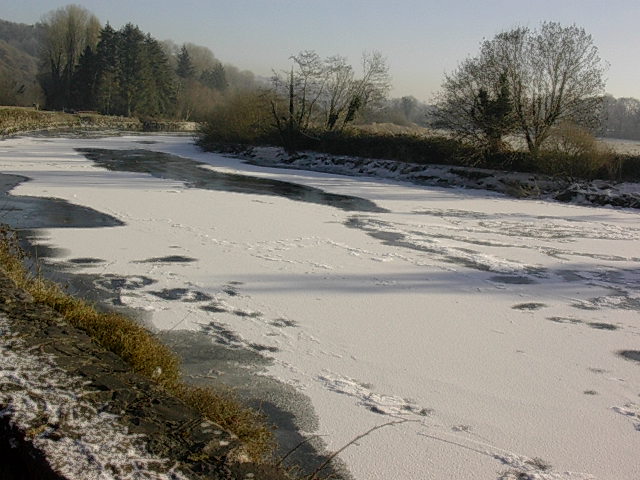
(421, 39)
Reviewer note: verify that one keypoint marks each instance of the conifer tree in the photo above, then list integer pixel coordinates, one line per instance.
(185, 68)
(215, 78)
(85, 80)
(107, 63)
(134, 72)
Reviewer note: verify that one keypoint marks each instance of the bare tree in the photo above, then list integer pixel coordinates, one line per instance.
(552, 74)
(67, 33)
(475, 103)
(375, 83)
(339, 90)
(325, 94)
(346, 95)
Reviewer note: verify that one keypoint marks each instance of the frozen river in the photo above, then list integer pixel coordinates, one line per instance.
(505, 333)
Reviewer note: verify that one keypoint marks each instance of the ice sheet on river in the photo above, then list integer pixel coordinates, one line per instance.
(504, 331)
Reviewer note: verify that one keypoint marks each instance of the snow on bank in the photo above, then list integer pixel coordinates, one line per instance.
(492, 324)
(516, 184)
(78, 441)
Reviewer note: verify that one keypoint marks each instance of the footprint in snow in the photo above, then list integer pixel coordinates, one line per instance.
(283, 323)
(214, 307)
(231, 290)
(632, 411)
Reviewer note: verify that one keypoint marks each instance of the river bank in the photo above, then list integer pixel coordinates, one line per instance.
(23, 120)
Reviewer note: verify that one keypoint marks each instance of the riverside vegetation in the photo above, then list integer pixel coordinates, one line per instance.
(20, 120)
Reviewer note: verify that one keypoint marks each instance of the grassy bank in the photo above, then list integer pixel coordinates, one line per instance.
(581, 161)
(15, 120)
(141, 350)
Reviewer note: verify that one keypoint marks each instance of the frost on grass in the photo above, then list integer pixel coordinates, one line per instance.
(79, 442)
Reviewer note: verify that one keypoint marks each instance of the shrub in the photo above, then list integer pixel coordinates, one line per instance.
(243, 118)
(405, 148)
(572, 151)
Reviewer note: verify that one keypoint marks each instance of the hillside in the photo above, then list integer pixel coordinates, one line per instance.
(19, 46)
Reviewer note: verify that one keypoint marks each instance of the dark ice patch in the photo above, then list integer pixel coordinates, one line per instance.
(86, 261)
(603, 326)
(512, 279)
(163, 165)
(630, 355)
(25, 212)
(168, 259)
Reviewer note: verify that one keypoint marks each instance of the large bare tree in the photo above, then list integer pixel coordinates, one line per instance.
(67, 32)
(552, 74)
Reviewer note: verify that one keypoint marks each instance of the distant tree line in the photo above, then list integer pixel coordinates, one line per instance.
(84, 66)
(621, 118)
(525, 83)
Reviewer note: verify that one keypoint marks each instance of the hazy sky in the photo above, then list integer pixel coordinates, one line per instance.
(421, 39)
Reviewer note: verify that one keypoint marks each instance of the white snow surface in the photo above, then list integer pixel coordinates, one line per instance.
(492, 324)
(42, 399)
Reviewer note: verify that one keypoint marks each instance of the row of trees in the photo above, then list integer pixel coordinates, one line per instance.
(525, 83)
(125, 72)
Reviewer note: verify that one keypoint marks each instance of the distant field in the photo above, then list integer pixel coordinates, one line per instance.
(620, 145)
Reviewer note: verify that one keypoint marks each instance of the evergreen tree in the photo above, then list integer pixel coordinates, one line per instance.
(107, 64)
(134, 72)
(215, 78)
(160, 90)
(185, 68)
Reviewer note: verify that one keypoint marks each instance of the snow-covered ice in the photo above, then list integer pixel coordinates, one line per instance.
(492, 325)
